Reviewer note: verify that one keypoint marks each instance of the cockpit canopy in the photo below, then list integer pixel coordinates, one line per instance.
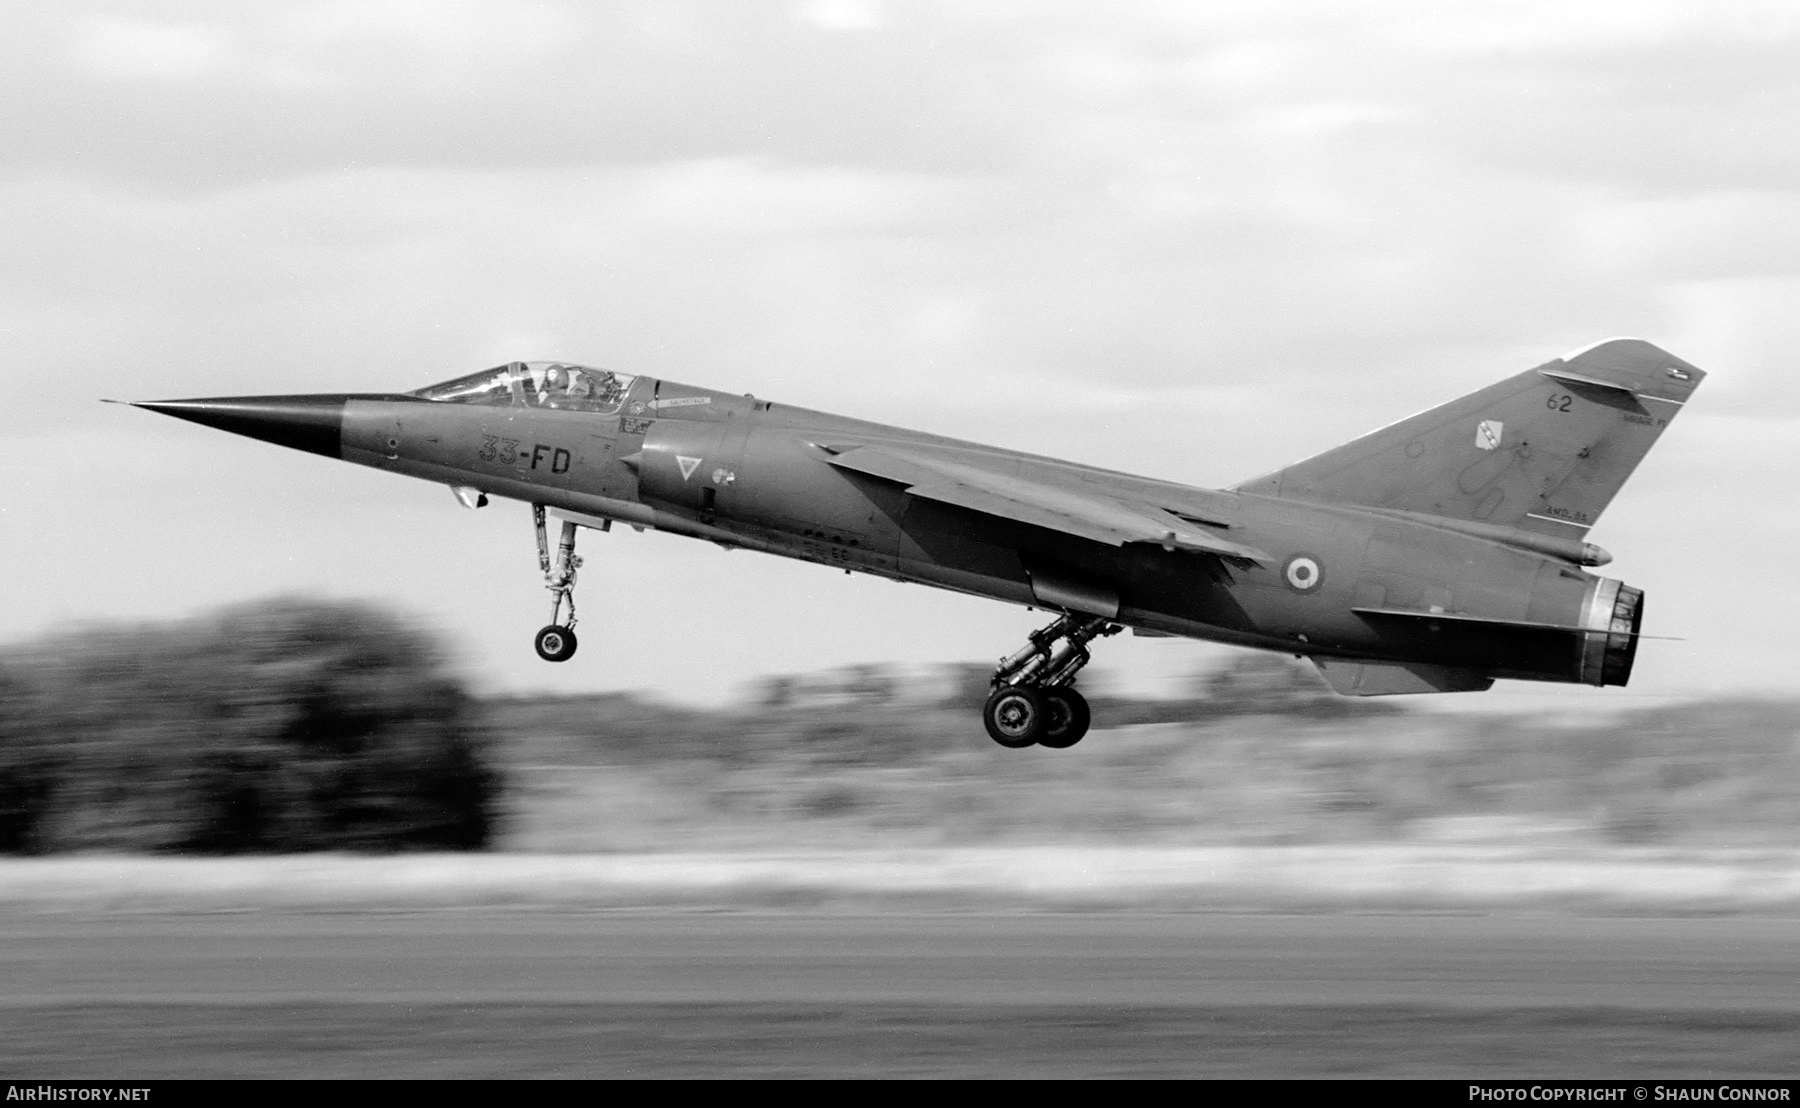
(537, 385)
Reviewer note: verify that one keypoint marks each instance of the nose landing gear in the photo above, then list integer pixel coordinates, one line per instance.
(1034, 699)
(556, 642)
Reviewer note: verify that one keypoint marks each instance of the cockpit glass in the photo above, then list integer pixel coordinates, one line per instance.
(537, 385)
(490, 386)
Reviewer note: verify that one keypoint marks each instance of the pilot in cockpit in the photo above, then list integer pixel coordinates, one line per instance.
(566, 386)
(555, 383)
(608, 392)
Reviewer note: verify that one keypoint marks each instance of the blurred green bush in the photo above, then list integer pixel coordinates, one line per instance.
(310, 726)
(284, 726)
(1257, 751)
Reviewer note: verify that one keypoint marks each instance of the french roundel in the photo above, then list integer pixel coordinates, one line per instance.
(1303, 573)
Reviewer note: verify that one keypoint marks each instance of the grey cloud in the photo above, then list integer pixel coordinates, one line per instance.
(1192, 240)
(747, 81)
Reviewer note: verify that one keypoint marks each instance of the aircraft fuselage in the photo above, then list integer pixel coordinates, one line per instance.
(1433, 555)
(752, 474)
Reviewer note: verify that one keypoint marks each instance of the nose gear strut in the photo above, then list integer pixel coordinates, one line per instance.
(1034, 699)
(556, 642)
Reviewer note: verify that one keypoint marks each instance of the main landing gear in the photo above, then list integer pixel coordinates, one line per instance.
(556, 642)
(1034, 699)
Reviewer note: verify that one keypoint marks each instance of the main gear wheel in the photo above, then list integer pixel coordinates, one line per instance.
(1014, 716)
(1034, 700)
(1066, 718)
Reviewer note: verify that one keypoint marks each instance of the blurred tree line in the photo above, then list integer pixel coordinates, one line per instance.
(311, 726)
(1256, 750)
(283, 726)
(870, 714)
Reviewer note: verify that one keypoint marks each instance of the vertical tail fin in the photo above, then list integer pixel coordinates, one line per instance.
(1543, 451)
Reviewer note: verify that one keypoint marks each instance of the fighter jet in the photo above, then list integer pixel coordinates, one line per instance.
(1436, 554)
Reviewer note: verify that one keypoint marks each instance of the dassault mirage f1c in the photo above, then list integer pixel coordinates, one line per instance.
(1434, 555)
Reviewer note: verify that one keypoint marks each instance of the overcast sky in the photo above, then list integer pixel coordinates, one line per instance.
(1196, 241)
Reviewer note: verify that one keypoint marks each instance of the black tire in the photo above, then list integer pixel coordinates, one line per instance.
(1066, 718)
(556, 643)
(1014, 716)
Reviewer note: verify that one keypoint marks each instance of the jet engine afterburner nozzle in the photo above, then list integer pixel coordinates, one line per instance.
(1614, 619)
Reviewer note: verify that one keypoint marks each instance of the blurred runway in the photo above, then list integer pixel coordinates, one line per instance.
(464, 992)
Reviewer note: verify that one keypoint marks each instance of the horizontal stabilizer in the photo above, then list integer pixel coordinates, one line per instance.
(1088, 515)
(1408, 614)
(1359, 678)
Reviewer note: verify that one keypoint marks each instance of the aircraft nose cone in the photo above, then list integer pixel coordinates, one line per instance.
(312, 423)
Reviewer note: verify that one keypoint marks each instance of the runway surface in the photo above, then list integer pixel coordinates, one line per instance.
(460, 992)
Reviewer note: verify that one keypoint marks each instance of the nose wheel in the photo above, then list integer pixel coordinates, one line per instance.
(556, 642)
(1034, 701)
